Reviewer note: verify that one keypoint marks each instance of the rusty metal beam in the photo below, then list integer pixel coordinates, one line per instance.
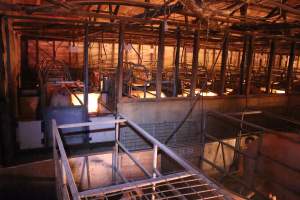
(119, 78)
(289, 77)
(86, 70)
(195, 62)
(224, 63)
(271, 62)
(160, 59)
(177, 63)
(249, 64)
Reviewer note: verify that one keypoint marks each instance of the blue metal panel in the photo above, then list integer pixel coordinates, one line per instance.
(66, 115)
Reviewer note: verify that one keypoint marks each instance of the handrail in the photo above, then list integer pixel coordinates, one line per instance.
(64, 160)
(143, 134)
(75, 125)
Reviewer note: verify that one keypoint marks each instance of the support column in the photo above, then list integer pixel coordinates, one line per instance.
(37, 53)
(270, 66)
(86, 69)
(7, 110)
(177, 62)
(53, 51)
(119, 78)
(195, 62)
(139, 56)
(243, 65)
(160, 59)
(249, 63)
(112, 54)
(70, 55)
(24, 59)
(224, 63)
(289, 77)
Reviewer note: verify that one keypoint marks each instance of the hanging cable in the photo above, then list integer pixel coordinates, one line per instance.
(196, 99)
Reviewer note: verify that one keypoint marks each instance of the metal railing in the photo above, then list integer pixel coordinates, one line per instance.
(244, 129)
(67, 189)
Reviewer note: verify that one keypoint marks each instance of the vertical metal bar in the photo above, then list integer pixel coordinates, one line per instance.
(242, 65)
(289, 77)
(119, 78)
(155, 151)
(160, 59)
(270, 66)
(86, 69)
(224, 63)
(37, 53)
(24, 57)
(195, 63)
(249, 64)
(139, 52)
(177, 62)
(70, 54)
(10, 138)
(53, 51)
(112, 54)
(116, 151)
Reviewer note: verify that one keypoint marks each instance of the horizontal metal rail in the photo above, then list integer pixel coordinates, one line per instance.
(151, 179)
(75, 125)
(242, 122)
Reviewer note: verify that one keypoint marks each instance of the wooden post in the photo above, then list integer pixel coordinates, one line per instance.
(249, 63)
(289, 77)
(119, 78)
(177, 62)
(270, 66)
(160, 59)
(195, 62)
(86, 69)
(224, 63)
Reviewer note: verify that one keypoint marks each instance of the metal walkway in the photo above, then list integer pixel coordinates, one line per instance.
(187, 183)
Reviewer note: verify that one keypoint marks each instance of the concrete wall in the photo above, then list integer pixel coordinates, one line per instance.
(169, 110)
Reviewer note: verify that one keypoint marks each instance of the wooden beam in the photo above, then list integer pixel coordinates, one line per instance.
(177, 62)
(86, 70)
(270, 66)
(289, 77)
(160, 59)
(119, 78)
(249, 63)
(224, 63)
(195, 62)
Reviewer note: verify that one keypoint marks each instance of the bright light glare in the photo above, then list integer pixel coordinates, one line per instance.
(274, 91)
(93, 101)
(205, 94)
(149, 94)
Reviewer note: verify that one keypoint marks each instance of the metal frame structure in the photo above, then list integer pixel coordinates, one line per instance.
(188, 184)
(244, 129)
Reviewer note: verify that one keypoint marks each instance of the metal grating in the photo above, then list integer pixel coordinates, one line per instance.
(183, 187)
(187, 134)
